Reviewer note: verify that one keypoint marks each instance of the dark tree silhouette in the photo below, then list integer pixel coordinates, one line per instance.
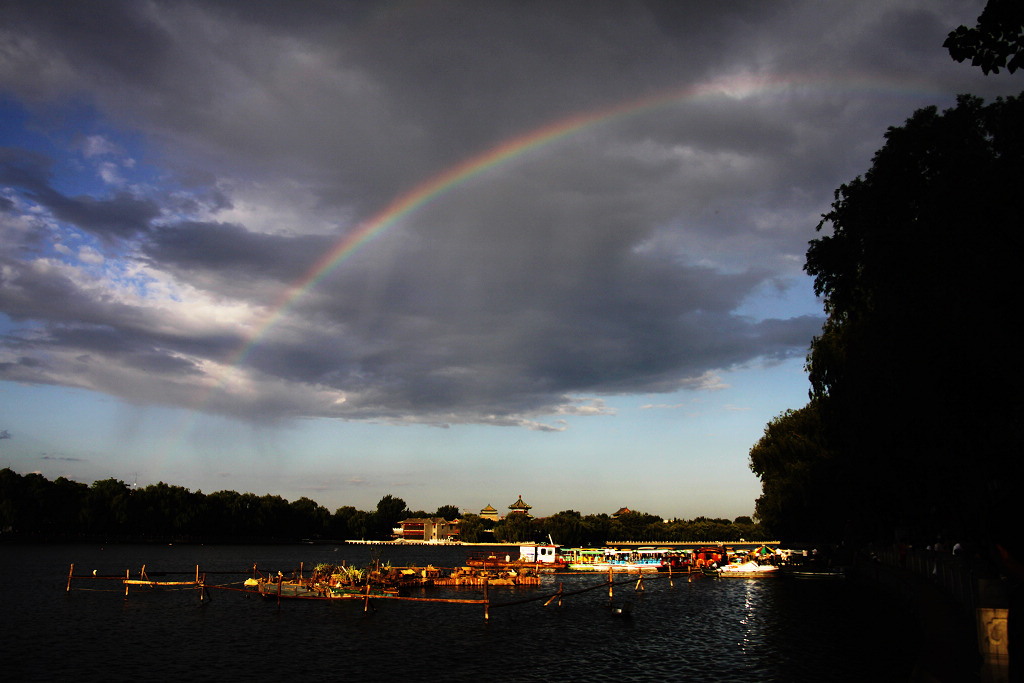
(917, 370)
(800, 487)
(996, 42)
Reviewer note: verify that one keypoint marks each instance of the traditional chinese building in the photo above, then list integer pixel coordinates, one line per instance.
(519, 507)
(428, 529)
(489, 513)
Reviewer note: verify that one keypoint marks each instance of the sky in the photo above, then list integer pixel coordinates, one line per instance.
(455, 252)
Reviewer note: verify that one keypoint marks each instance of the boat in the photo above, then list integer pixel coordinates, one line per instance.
(677, 562)
(636, 560)
(829, 572)
(747, 570)
(536, 556)
(797, 571)
(709, 558)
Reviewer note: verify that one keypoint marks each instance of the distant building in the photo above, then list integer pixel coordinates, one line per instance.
(519, 507)
(489, 513)
(620, 512)
(428, 529)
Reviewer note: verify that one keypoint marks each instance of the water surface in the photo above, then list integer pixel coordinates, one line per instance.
(715, 630)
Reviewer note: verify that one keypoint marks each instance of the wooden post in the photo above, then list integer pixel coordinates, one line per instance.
(254, 569)
(557, 596)
(487, 603)
(127, 575)
(640, 583)
(611, 586)
(366, 603)
(70, 572)
(279, 578)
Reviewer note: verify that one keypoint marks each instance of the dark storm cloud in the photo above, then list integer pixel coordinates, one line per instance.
(122, 216)
(226, 248)
(612, 261)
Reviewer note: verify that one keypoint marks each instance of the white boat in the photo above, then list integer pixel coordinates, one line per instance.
(747, 570)
(543, 557)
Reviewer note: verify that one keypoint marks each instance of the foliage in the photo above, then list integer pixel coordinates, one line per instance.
(919, 281)
(998, 37)
(799, 497)
(517, 528)
(31, 507)
(567, 528)
(447, 512)
(471, 528)
(390, 511)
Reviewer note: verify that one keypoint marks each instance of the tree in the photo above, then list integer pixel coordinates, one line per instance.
(597, 529)
(566, 528)
(107, 507)
(919, 281)
(998, 36)
(636, 526)
(309, 518)
(516, 528)
(390, 511)
(801, 497)
(448, 512)
(470, 528)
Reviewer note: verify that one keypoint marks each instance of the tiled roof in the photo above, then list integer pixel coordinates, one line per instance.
(519, 505)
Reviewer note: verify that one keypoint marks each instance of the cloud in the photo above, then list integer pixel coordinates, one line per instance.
(98, 145)
(122, 215)
(58, 458)
(622, 259)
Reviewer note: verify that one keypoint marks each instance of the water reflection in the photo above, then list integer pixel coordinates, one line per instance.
(717, 630)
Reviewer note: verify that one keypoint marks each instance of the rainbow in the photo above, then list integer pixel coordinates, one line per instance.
(735, 87)
(738, 87)
(454, 176)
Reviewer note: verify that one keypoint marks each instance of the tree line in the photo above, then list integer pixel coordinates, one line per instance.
(911, 430)
(35, 508)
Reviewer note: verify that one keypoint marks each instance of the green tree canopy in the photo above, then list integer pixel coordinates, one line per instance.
(516, 528)
(448, 512)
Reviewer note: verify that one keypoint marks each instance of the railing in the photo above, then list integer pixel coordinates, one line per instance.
(958, 576)
(973, 589)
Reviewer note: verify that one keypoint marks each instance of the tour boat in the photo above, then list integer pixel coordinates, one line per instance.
(611, 559)
(747, 570)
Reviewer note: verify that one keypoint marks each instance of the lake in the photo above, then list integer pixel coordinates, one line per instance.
(775, 629)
